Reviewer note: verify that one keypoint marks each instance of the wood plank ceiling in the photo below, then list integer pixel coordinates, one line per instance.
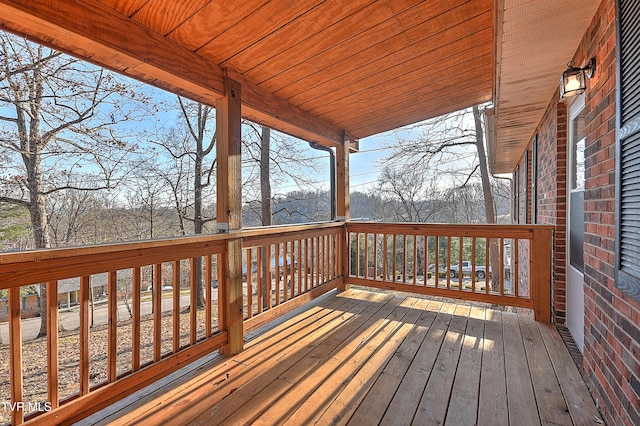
(535, 40)
(317, 69)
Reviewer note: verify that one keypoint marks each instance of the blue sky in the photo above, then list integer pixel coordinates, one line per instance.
(364, 166)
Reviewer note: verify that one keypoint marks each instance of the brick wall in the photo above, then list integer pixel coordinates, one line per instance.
(551, 193)
(612, 323)
(612, 319)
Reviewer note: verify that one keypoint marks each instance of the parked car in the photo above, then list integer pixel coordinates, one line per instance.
(467, 269)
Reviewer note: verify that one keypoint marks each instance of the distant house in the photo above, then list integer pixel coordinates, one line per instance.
(68, 294)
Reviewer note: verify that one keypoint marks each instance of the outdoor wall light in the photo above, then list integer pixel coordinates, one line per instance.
(574, 80)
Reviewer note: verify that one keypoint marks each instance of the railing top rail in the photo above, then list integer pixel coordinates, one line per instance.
(66, 252)
(446, 229)
(40, 255)
(285, 229)
(36, 266)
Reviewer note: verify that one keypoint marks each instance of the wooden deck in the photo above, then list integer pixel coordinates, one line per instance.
(362, 357)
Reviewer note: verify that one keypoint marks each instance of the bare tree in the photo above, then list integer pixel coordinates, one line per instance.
(57, 114)
(278, 160)
(148, 204)
(191, 148)
(451, 149)
(410, 195)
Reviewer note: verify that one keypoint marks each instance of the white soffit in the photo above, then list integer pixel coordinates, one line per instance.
(535, 40)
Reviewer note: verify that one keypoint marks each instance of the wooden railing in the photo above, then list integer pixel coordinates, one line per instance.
(91, 365)
(187, 282)
(283, 269)
(509, 265)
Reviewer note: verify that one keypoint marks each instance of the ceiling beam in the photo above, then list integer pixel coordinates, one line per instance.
(93, 31)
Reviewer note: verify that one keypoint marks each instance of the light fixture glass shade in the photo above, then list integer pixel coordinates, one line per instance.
(574, 80)
(572, 83)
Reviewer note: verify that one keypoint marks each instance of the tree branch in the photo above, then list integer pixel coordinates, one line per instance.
(75, 188)
(16, 201)
(469, 176)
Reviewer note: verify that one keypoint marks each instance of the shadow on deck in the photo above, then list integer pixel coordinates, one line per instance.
(361, 357)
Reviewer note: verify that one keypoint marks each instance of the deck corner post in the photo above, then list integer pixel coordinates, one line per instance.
(229, 211)
(541, 264)
(343, 204)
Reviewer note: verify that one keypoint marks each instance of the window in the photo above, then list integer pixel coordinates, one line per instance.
(516, 191)
(628, 150)
(576, 170)
(534, 180)
(525, 202)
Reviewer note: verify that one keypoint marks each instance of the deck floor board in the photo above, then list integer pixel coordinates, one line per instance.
(363, 358)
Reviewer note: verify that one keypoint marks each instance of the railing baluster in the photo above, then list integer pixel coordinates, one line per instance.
(259, 275)
(249, 284)
(277, 265)
(15, 354)
(207, 282)
(448, 262)
(333, 256)
(305, 260)
(220, 278)
(487, 283)
(299, 262)
(112, 307)
(415, 260)
(325, 258)
(317, 262)
(425, 260)
(437, 264)
(321, 260)
(404, 244)
(84, 334)
(193, 307)
(52, 343)
(176, 306)
(460, 259)
(357, 254)
(268, 278)
(375, 256)
(285, 272)
(157, 310)
(394, 258)
(501, 281)
(516, 264)
(341, 256)
(135, 321)
(293, 268)
(366, 255)
(473, 266)
(501, 271)
(385, 258)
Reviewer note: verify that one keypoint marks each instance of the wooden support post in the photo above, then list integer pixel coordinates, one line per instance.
(229, 212)
(342, 206)
(540, 270)
(342, 181)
